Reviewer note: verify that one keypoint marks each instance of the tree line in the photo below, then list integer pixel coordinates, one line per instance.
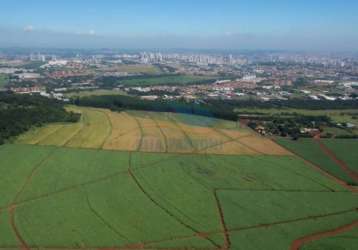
(20, 113)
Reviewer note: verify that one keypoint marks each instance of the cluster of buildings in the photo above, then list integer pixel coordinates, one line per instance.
(192, 58)
(261, 75)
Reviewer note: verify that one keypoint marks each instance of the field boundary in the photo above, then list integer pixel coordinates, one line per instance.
(239, 142)
(12, 206)
(188, 138)
(52, 133)
(297, 244)
(82, 121)
(197, 233)
(103, 220)
(139, 146)
(161, 132)
(323, 171)
(329, 153)
(109, 132)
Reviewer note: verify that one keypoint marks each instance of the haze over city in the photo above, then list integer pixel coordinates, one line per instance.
(178, 124)
(234, 24)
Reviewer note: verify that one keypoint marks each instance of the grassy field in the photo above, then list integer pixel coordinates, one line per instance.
(152, 132)
(146, 180)
(166, 80)
(3, 80)
(310, 150)
(91, 132)
(346, 150)
(58, 197)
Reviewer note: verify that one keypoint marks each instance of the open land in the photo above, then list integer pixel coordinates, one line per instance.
(149, 180)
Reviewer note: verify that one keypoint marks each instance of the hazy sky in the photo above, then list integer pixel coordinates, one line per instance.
(225, 24)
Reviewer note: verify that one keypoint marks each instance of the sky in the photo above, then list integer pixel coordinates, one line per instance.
(197, 24)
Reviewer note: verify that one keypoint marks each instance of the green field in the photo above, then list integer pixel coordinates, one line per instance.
(310, 150)
(166, 80)
(146, 180)
(346, 150)
(58, 197)
(3, 80)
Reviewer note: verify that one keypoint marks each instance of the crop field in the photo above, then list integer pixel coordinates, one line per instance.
(344, 150)
(346, 240)
(152, 132)
(55, 197)
(332, 159)
(91, 132)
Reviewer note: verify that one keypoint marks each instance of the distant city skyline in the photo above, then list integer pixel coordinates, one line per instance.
(232, 24)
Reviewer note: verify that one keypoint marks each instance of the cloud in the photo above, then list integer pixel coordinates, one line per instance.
(92, 32)
(29, 28)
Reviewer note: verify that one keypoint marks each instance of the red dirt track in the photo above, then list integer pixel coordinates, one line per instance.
(334, 158)
(225, 231)
(297, 244)
(227, 242)
(324, 172)
(23, 244)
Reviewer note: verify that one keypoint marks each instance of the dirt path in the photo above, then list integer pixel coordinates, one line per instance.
(297, 244)
(53, 132)
(227, 242)
(23, 245)
(253, 227)
(141, 132)
(109, 131)
(323, 172)
(236, 140)
(69, 188)
(182, 130)
(12, 206)
(161, 132)
(104, 221)
(164, 209)
(334, 158)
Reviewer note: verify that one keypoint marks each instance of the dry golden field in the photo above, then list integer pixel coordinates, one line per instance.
(152, 132)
